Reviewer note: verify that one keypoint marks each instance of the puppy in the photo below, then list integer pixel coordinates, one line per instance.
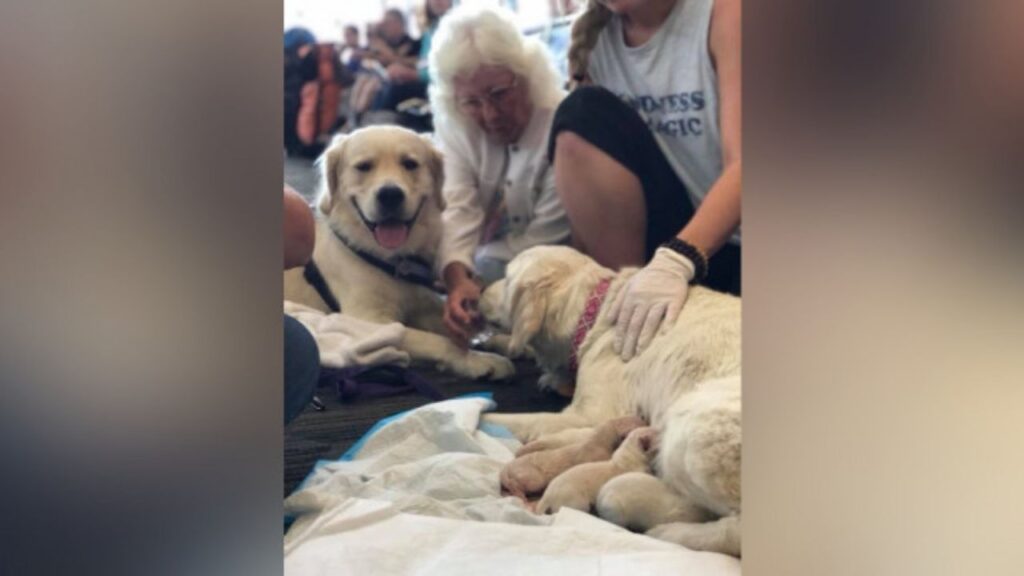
(578, 486)
(569, 436)
(378, 229)
(530, 473)
(686, 383)
(638, 500)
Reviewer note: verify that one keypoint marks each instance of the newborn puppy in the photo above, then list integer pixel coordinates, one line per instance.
(624, 425)
(566, 437)
(531, 473)
(638, 501)
(578, 486)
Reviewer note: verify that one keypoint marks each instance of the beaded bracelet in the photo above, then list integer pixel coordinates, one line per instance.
(696, 255)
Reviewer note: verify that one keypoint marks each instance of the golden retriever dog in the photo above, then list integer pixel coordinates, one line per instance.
(378, 229)
(685, 384)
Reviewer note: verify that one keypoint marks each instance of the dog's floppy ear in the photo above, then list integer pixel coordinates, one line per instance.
(329, 164)
(528, 308)
(435, 163)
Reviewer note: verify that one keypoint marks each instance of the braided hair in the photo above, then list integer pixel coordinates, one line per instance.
(585, 31)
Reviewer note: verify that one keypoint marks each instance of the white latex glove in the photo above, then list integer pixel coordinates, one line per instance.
(654, 294)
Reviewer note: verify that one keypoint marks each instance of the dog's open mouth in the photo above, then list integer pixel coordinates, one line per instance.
(389, 233)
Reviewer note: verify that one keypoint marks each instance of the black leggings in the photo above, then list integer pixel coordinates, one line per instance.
(602, 119)
(301, 367)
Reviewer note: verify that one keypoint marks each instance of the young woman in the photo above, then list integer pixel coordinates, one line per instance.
(646, 151)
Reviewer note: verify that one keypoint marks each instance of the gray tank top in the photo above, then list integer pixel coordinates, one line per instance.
(670, 81)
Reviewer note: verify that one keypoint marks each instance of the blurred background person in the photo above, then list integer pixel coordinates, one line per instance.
(352, 52)
(390, 50)
(300, 75)
(405, 81)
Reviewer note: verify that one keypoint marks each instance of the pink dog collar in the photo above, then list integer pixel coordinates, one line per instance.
(586, 321)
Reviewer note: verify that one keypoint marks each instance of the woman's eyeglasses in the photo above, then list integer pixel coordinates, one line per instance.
(497, 97)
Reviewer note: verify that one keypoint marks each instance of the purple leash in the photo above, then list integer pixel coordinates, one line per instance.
(357, 382)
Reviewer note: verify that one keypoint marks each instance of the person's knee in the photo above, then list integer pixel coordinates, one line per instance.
(589, 98)
(575, 114)
(571, 147)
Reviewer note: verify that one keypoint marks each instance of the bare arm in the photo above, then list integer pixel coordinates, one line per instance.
(719, 214)
(380, 50)
(399, 72)
(299, 230)
(463, 218)
(388, 55)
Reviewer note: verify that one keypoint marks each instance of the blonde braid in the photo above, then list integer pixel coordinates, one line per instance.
(585, 31)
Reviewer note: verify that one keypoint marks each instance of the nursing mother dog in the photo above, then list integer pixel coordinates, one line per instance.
(377, 234)
(685, 384)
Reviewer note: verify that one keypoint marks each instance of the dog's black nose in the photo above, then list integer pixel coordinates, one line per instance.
(390, 197)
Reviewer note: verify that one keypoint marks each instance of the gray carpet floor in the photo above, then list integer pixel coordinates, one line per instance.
(327, 434)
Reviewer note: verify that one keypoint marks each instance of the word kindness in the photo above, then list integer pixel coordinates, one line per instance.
(666, 114)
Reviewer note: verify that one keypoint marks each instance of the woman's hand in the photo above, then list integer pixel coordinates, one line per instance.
(461, 315)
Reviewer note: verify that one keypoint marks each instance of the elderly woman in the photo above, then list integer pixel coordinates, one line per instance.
(494, 95)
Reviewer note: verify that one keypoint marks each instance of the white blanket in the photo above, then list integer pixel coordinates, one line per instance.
(346, 341)
(421, 496)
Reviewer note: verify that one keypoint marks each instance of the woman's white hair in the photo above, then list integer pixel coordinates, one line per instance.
(471, 36)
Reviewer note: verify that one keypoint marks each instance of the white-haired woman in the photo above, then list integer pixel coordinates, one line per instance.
(494, 95)
(651, 142)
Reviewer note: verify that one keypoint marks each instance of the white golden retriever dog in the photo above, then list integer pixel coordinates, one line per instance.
(378, 229)
(686, 384)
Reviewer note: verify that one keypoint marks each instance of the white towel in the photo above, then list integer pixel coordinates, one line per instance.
(422, 496)
(346, 341)
(361, 537)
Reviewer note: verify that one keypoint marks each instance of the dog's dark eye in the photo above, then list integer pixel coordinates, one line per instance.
(410, 164)
(364, 166)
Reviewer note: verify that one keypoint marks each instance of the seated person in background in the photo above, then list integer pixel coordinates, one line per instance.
(407, 81)
(390, 48)
(300, 91)
(352, 53)
(368, 80)
(494, 93)
(392, 43)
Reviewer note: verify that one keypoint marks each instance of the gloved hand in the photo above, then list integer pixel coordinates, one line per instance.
(654, 294)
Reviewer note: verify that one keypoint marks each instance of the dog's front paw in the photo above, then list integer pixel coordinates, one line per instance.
(484, 365)
(501, 344)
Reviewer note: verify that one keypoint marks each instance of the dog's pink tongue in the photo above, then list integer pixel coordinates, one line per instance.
(391, 236)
